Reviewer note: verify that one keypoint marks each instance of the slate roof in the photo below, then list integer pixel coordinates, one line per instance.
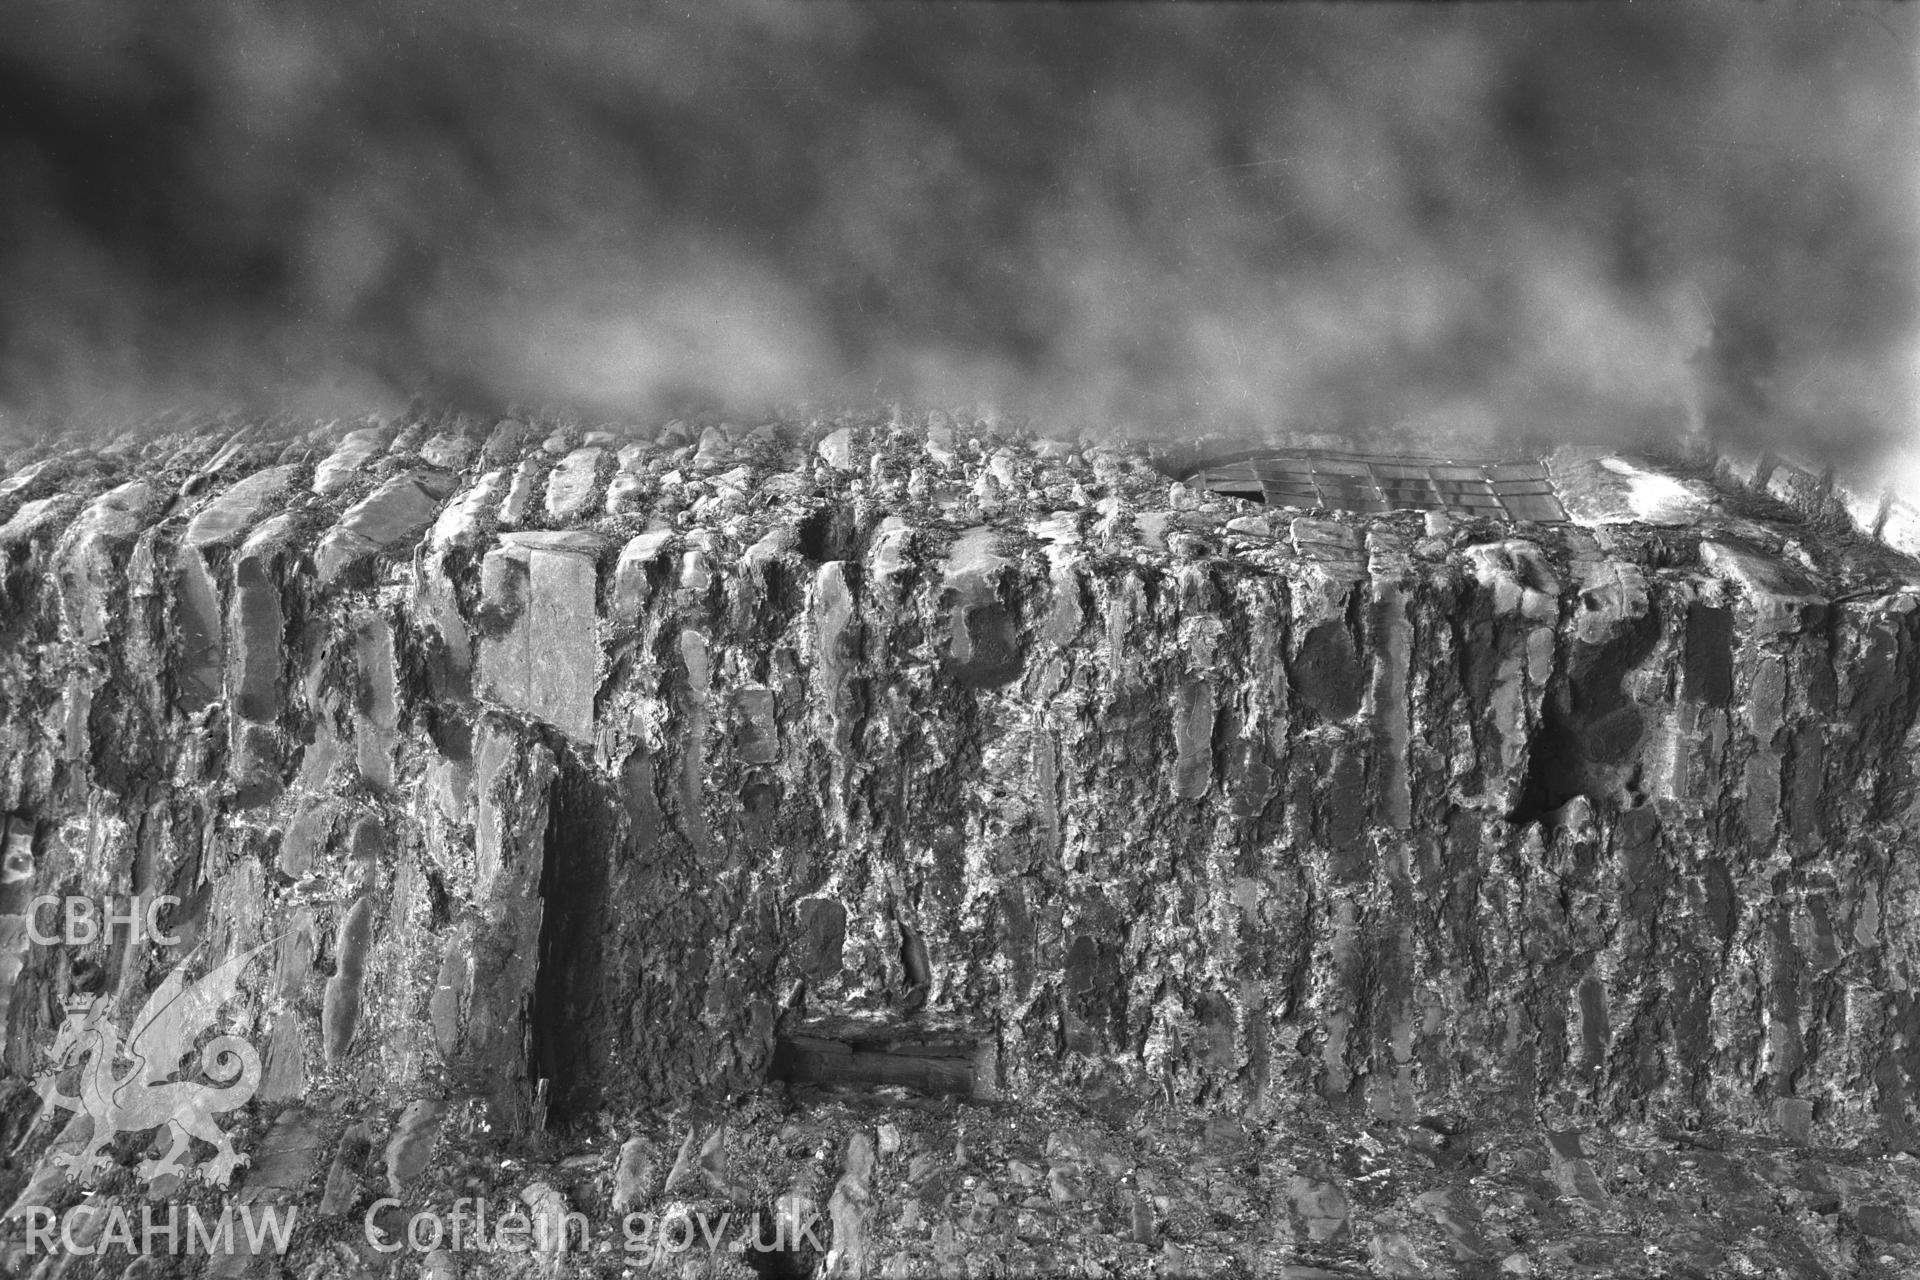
(1337, 480)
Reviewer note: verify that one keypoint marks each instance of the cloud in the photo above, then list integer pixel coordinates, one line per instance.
(1576, 221)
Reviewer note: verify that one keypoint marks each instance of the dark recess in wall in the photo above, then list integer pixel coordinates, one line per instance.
(1589, 729)
(582, 837)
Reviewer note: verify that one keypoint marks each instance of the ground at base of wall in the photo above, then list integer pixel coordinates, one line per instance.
(804, 1182)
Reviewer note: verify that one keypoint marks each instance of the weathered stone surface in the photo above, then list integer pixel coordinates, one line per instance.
(40, 518)
(1519, 871)
(17, 875)
(578, 541)
(256, 628)
(343, 1175)
(634, 1174)
(849, 1207)
(631, 584)
(341, 1013)
(395, 513)
(545, 656)
(462, 522)
(338, 470)
(240, 507)
(287, 1158)
(757, 733)
(556, 1227)
(197, 634)
(446, 452)
(836, 449)
(284, 1069)
(1326, 540)
(91, 564)
(984, 640)
(1319, 1209)
(1779, 595)
(519, 500)
(571, 485)
(1193, 740)
(715, 449)
(1574, 1173)
(507, 441)
(411, 1147)
(626, 493)
(31, 480)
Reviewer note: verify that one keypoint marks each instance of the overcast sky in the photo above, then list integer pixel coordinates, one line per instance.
(1577, 220)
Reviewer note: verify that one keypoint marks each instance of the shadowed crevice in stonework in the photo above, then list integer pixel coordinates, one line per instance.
(569, 1014)
(1589, 726)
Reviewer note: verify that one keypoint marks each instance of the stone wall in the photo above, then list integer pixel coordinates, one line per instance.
(604, 759)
